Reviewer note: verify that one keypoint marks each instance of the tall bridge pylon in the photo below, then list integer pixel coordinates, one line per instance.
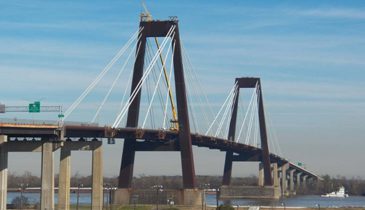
(159, 29)
(248, 82)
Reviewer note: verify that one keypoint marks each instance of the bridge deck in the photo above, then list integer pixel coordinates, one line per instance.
(20, 125)
(147, 139)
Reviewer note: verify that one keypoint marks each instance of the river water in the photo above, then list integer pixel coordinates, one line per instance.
(297, 201)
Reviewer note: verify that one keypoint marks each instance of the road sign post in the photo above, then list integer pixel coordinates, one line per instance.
(2, 108)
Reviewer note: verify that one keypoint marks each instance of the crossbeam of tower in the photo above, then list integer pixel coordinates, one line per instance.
(174, 125)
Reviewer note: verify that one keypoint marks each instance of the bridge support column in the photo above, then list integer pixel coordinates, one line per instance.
(47, 176)
(275, 174)
(97, 179)
(261, 175)
(291, 182)
(3, 172)
(305, 182)
(298, 184)
(64, 179)
(284, 181)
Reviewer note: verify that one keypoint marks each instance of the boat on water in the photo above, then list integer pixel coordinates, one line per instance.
(337, 194)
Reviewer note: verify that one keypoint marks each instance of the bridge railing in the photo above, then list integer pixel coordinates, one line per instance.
(17, 121)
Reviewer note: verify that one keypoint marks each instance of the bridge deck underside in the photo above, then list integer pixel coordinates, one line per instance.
(163, 140)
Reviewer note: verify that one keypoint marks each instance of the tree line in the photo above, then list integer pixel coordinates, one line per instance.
(353, 186)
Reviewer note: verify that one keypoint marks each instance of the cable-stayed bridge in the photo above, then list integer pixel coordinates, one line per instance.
(166, 110)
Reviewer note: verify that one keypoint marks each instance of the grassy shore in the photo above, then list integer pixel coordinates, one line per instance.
(199, 207)
(166, 207)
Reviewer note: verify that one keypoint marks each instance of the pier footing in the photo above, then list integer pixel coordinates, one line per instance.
(189, 197)
(236, 192)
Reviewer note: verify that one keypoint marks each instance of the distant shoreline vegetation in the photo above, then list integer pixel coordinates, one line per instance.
(353, 186)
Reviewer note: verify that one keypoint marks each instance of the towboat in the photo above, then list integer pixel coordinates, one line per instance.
(337, 194)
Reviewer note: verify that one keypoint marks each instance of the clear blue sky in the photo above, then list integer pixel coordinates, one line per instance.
(309, 54)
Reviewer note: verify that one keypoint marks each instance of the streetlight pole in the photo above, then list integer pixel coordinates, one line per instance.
(106, 189)
(319, 206)
(203, 196)
(204, 187)
(158, 189)
(21, 195)
(22, 188)
(78, 195)
(283, 204)
(134, 200)
(110, 196)
(217, 196)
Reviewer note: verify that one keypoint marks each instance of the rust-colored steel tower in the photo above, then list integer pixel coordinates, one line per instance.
(248, 82)
(159, 29)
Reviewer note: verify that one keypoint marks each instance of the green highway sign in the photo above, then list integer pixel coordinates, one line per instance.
(34, 107)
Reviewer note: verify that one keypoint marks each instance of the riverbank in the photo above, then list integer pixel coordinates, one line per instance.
(233, 208)
(200, 207)
(166, 207)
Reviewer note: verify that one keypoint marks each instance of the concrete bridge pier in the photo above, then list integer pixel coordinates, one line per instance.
(291, 183)
(261, 191)
(65, 173)
(47, 177)
(3, 171)
(97, 179)
(261, 175)
(298, 182)
(189, 197)
(122, 196)
(304, 183)
(275, 174)
(64, 179)
(276, 181)
(46, 147)
(284, 180)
